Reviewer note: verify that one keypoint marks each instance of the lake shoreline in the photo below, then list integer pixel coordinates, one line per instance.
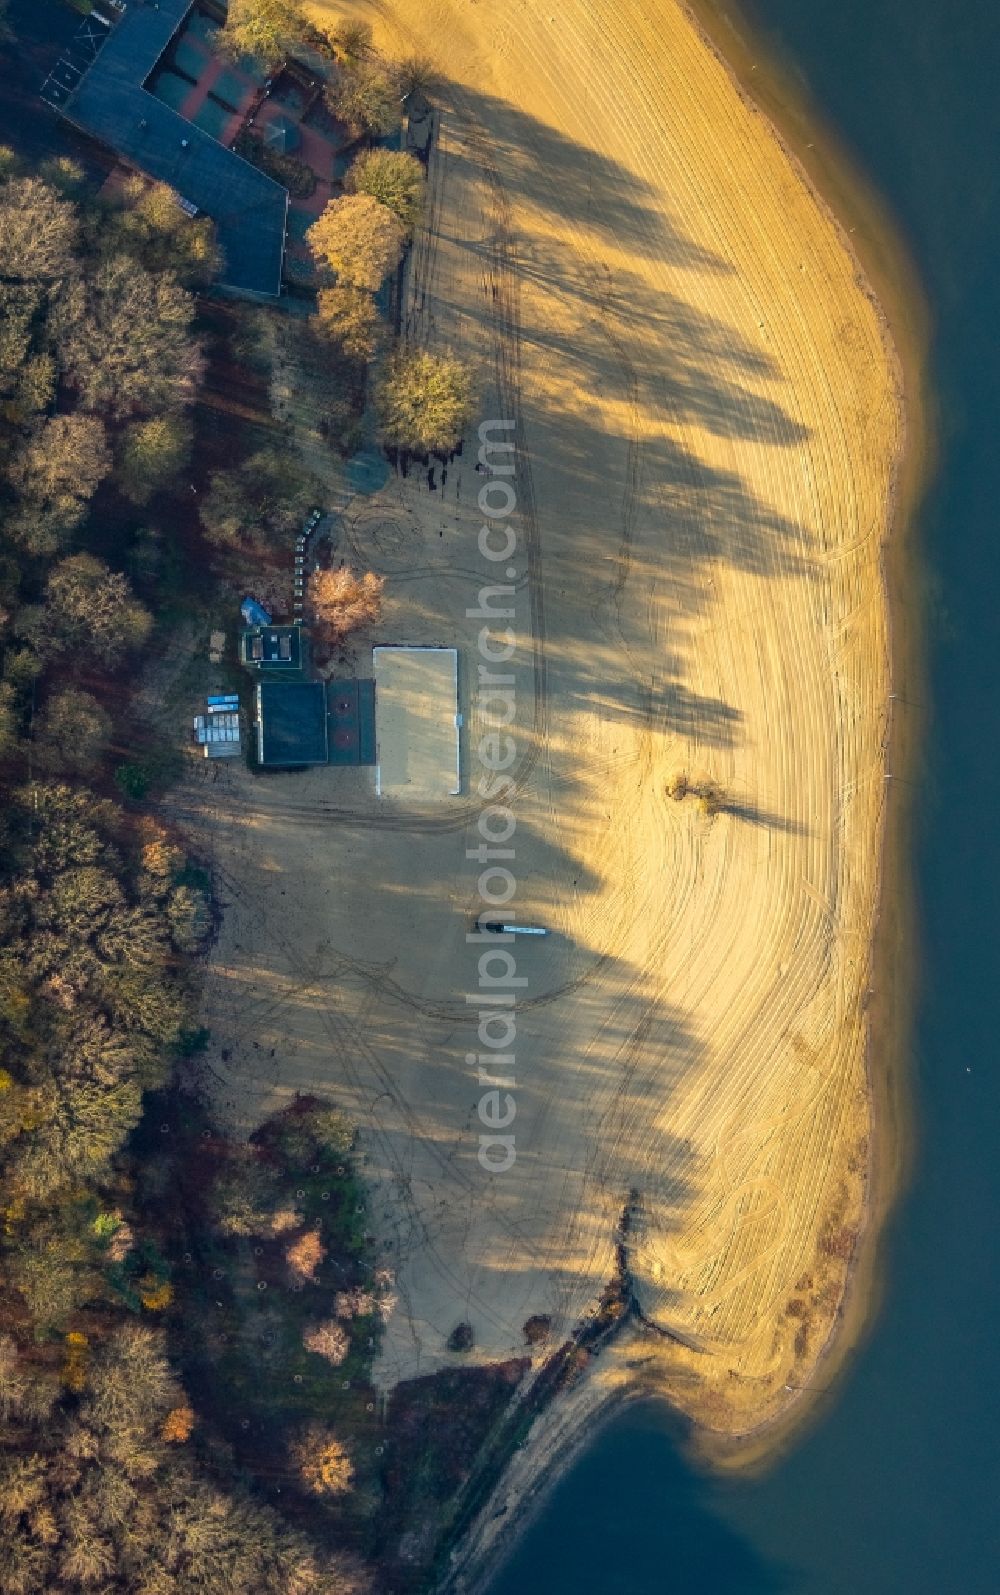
(871, 236)
(890, 282)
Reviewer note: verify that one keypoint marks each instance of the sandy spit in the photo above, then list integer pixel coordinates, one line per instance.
(889, 277)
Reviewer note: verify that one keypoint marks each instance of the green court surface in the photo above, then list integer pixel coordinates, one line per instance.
(190, 57)
(171, 89)
(212, 117)
(232, 88)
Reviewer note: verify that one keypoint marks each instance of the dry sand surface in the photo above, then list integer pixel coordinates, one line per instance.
(708, 426)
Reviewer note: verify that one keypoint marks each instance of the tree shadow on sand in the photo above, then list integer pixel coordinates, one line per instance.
(587, 1133)
(629, 373)
(766, 819)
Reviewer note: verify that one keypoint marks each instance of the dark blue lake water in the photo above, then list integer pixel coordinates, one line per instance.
(898, 1488)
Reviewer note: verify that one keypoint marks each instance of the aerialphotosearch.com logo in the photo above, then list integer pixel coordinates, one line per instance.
(496, 752)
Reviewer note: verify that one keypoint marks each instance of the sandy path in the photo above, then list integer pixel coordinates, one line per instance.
(708, 425)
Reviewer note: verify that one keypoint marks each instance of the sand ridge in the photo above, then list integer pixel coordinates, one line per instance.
(708, 427)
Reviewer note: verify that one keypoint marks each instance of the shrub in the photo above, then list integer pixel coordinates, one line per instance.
(309, 1132)
(305, 1255)
(299, 179)
(350, 40)
(332, 1131)
(711, 798)
(188, 918)
(536, 1329)
(323, 1463)
(133, 781)
(327, 1340)
(65, 175)
(839, 1241)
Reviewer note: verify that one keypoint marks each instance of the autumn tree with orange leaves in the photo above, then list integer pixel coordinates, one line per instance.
(342, 602)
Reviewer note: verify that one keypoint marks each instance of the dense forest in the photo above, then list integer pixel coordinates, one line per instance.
(105, 1483)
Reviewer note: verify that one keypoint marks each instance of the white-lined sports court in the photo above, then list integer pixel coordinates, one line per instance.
(416, 723)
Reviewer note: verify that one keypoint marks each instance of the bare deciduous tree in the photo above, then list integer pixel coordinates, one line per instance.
(38, 232)
(73, 732)
(153, 454)
(90, 608)
(124, 341)
(328, 1340)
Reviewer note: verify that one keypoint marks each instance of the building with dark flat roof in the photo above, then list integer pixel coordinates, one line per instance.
(350, 709)
(291, 724)
(113, 104)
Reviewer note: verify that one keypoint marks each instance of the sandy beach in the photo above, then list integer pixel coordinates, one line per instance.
(709, 425)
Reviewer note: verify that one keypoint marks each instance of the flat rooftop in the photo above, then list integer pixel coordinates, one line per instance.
(112, 104)
(291, 724)
(351, 718)
(272, 647)
(416, 723)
